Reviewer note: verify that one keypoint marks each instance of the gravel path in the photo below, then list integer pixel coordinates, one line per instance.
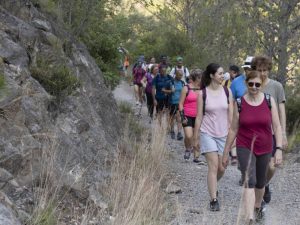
(192, 202)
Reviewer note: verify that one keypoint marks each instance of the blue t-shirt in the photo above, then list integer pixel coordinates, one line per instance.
(160, 82)
(175, 97)
(238, 86)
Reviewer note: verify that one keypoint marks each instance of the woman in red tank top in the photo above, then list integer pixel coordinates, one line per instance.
(254, 117)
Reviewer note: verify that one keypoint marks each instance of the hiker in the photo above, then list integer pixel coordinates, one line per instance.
(151, 63)
(238, 88)
(147, 83)
(177, 87)
(234, 72)
(182, 68)
(263, 65)
(164, 63)
(161, 89)
(138, 75)
(188, 113)
(255, 114)
(213, 121)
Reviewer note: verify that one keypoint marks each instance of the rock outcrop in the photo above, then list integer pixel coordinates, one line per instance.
(73, 143)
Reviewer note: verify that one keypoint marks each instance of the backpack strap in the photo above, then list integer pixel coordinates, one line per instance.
(239, 104)
(227, 93)
(188, 89)
(226, 83)
(204, 99)
(268, 99)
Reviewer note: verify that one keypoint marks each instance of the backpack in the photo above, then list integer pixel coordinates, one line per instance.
(189, 88)
(184, 73)
(204, 97)
(267, 98)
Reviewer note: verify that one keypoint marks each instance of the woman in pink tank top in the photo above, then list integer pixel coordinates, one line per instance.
(255, 115)
(213, 120)
(188, 112)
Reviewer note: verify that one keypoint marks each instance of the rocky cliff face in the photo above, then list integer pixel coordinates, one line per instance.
(74, 142)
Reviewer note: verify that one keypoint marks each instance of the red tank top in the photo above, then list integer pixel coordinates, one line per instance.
(255, 126)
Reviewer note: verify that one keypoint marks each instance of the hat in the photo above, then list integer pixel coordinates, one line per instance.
(179, 58)
(247, 63)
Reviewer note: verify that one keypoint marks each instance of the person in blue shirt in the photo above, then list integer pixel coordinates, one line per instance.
(177, 86)
(238, 86)
(161, 90)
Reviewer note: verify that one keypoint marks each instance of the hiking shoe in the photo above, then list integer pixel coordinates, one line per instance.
(187, 155)
(259, 213)
(214, 205)
(267, 195)
(172, 133)
(179, 136)
(234, 161)
(241, 181)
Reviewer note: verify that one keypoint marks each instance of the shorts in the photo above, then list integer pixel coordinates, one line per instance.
(254, 167)
(161, 104)
(173, 109)
(212, 144)
(138, 84)
(190, 122)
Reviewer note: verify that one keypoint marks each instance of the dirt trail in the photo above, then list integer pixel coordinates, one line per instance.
(192, 202)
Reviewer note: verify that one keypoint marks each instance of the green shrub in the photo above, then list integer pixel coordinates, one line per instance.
(56, 79)
(293, 113)
(111, 79)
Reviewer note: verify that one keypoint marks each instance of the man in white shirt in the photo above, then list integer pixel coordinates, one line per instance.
(183, 69)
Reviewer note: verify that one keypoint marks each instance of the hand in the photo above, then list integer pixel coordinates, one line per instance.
(284, 141)
(225, 160)
(278, 157)
(155, 103)
(185, 121)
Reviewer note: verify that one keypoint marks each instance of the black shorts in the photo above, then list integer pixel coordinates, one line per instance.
(173, 109)
(190, 122)
(161, 104)
(138, 84)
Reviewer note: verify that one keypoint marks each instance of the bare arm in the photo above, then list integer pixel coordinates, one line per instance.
(277, 132)
(231, 134)
(282, 119)
(230, 108)
(182, 98)
(198, 119)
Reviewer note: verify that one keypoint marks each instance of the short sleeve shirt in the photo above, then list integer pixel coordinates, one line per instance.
(238, 86)
(275, 89)
(160, 82)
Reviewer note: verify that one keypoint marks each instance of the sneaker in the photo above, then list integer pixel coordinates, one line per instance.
(259, 213)
(187, 155)
(172, 133)
(196, 160)
(234, 161)
(179, 136)
(214, 205)
(137, 103)
(251, 222)
(241, 181)
(267, 195)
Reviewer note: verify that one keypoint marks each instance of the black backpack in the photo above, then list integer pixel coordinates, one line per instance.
(267, 98)
(204, 97)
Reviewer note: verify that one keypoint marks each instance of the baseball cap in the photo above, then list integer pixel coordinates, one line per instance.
(179, 58)
(247, 63)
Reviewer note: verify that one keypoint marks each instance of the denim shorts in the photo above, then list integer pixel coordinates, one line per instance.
(212, 144)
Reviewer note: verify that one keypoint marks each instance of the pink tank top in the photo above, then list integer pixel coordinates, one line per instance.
(255, 125)
(215, 121)
(190, 104)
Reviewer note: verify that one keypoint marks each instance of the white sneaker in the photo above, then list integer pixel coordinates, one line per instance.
(137, 103)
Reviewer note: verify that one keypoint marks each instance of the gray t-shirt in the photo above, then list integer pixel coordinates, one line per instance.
(275, 89)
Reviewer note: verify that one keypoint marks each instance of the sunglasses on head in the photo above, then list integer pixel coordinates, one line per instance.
(251, 84)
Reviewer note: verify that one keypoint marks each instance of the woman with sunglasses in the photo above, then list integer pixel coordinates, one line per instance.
(252, 124)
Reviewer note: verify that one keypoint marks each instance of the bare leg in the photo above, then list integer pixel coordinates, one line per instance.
(259, 194)
(271, 170)
(212, 159)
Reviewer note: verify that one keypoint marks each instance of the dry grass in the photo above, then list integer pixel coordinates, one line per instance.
(135, 188)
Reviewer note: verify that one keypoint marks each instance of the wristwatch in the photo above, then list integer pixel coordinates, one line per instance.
(280, 148)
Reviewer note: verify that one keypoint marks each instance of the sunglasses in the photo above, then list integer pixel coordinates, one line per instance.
(251, 84)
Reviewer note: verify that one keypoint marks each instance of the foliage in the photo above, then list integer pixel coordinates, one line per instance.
(57, 80)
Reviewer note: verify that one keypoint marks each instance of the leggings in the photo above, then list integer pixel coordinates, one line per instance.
(254, 170)
(150, 104)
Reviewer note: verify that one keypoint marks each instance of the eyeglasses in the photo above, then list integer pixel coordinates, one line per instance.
(251, 84)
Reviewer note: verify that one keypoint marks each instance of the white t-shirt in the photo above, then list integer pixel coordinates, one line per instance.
(184, 70)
